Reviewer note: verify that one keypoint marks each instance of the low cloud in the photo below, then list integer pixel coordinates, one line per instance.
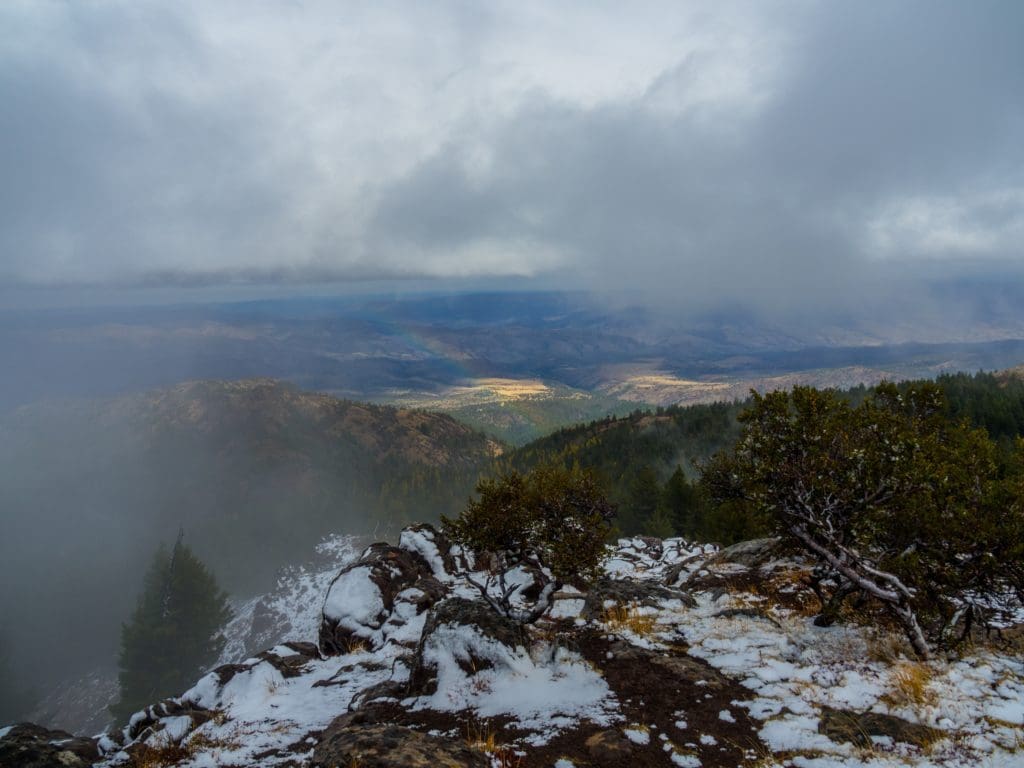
(786, 156)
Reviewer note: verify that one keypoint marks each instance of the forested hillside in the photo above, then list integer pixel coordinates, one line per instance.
(648, 460)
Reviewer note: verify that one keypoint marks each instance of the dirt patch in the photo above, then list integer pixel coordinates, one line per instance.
(658, 692)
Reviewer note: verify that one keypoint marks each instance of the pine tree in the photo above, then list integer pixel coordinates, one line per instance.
(683, 503)
(659, 524)
(173, 632)
(642, 504)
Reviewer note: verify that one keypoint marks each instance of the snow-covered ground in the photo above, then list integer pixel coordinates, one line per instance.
(292, 609)
(271, 709)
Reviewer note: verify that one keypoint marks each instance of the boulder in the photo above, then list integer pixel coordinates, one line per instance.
(858, 728)
(375, 745)
(468, 632)
(750, 554)
(31, 746)
(154, 719)
(363, 597)
(433, 546)
(622, 592)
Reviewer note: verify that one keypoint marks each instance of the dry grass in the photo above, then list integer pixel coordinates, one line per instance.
(482, 736)
(632, 617)
(166, 753)
(159, 757)
(911, 681)
(203, 742)
(887, 647)
(356, 645)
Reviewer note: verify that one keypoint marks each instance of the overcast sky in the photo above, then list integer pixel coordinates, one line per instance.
(723, 149)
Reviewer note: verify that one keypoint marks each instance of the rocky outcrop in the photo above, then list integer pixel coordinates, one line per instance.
(376, 599)
(750, 554)
(607, 591)
(376, 745)
(468, 632)
(859, 727)
(32, 746)
(716, 676)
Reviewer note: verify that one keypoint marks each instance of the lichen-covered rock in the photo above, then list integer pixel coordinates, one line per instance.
(467, 632)
(372, 745)
(751, 554)
(620, 592)
(31, 746)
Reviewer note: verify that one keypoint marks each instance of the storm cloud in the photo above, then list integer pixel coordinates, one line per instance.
(787, 154)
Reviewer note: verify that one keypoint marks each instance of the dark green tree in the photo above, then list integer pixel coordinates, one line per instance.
(896, 501)
(644, 497)
(174, 632)
(659, 525)
(552, 523)
(684, 504)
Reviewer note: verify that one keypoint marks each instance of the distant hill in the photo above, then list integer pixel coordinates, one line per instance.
(1012, 373)
(517, 411)
(636, 453)
(255, 471)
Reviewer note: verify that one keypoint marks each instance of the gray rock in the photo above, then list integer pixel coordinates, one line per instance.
(483, 624)
(858, 728)
(31, 746)
(371, 745)
(625, 592)
(392, 570)
(752, 554)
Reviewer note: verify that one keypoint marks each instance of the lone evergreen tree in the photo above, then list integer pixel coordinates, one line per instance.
(173, 632)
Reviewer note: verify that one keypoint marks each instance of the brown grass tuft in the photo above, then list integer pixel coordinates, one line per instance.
(630, 617)
(910, 685)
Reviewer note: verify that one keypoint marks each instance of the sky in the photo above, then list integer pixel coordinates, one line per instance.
(780, 154)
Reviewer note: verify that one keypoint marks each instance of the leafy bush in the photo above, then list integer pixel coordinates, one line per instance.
(894, 500)
(551, 524)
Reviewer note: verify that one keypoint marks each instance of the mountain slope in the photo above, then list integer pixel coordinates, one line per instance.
(255, 471)
(680, 655)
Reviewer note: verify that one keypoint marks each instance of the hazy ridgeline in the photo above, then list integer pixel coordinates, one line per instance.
(255, 474)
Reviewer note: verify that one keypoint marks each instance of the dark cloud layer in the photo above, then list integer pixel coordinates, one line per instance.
(805, 157)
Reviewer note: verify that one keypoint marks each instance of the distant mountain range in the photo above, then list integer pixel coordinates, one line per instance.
(418, 348)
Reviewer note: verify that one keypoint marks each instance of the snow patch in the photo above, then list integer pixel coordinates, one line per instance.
(638, 735)
(355, 602)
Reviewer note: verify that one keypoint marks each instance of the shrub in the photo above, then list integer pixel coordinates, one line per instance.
(895, 501)
(552, 523)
